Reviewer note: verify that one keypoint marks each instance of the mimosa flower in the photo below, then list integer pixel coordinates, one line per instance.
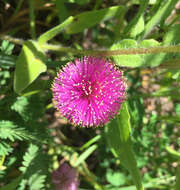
(89, 91)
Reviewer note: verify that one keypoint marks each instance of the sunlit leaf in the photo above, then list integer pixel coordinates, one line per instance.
(137, 60)
(30, 64)
(118, 137)
(91, 18)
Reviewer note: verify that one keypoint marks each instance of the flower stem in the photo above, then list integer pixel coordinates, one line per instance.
(11, 39)
(108, 53)
(104, 53)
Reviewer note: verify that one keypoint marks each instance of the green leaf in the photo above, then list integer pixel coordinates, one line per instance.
(137, 60)
(85, 155)
(127, 60)
(35, 168)
(30, 108)
(91, 18)
(90, 142)
(115, 178)
(12, 132)
(54, 31)
(7, 47)
(6, 60)
(177, 185)
(173, 153)
(20, 106)
(82, 2)
(8, 130)
(151, 60)
(5, 148)
(29, 156)
(136, 26)
(172, 37)
(30, 64)
(162, 13)
(118, 137)
(62, 10)
(36, 181)
(13, 185)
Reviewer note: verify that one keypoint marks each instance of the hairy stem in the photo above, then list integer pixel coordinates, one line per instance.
(104, 53)
(107, 53)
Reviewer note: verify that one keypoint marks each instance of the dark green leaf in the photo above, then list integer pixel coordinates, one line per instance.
(177, 185)
(13, 185)
(62, 11)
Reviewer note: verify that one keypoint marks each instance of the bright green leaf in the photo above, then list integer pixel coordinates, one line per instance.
(151, 60)
(29, 66)
(138, 28)
(7, 47)
(91, 18)
(172, 36)
(136, 25)
(85, 155)
(137, 60)
(159, 17)
(173, 153)
(127, 60)
(115, 178)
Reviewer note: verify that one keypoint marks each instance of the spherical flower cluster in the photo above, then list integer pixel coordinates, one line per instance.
(65, 178)
(89, 91)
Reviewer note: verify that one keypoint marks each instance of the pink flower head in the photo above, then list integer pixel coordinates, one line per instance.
(65, 178)
(89, 91)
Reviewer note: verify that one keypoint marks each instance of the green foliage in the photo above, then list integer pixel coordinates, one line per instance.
(13, 185)
(144, 137)
(23, 106)
(118, 137)
(160, 15)
(172, 37)
(143, 60)
(10, 131)
(115, 178)
(177, 180)
(136, 26)
(29, 66)
(91, 18)
(5, 148)
(6, 47)
(34, 169)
